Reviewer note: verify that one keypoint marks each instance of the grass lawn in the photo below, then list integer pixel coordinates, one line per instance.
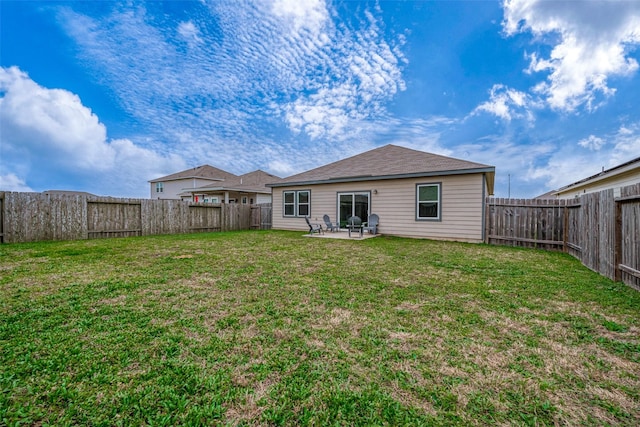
(270, 328)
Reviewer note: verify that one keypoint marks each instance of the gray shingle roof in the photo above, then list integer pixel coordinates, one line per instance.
(387, 162)
(204, 171)
(252, 182)
(255, 181)
(257, 178)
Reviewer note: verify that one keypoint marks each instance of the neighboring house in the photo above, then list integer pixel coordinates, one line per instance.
(415, 194)
(212, 185)
(172, 186)
(620, 176)
(249, 188)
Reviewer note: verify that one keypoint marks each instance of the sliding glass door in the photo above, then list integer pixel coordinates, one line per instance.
(350, 204)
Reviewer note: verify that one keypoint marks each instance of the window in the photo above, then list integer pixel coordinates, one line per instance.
(350, 204)
(303, 203)
(159, 187)
(297, 203)
(428, 201)
(244, 200)
(289, 203)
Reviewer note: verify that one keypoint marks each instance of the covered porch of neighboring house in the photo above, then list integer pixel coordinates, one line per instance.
(248, 189)
(199, 196)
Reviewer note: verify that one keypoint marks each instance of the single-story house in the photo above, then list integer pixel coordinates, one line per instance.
(414, 193)
(212, 185)
(622, 175)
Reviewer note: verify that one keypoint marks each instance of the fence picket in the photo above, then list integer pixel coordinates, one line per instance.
(586, 228)
(32, 217)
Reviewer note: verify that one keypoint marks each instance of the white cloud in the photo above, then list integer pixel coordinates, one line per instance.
(419, 134)
(321, 114)
(626, 144)
(189, 32)
(507, 103)
(310, 14)
(11, 182)
(563, 168)
(592, 143)
(591, 41)
(51, 121)
(565, 165)
(366, 73)
(282, 167)
(48, 135)
(286, 62)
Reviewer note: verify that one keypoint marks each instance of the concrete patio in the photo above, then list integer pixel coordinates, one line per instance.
(342, 234)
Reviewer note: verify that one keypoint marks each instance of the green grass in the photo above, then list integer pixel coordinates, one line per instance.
(270, 328)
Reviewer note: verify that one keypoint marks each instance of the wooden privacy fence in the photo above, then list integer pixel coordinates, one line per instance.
(261, 216)
(33, 217)
(601, 229)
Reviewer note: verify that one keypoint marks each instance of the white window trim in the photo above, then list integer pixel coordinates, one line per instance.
(285, 204)
(296, 203)
(438, 217)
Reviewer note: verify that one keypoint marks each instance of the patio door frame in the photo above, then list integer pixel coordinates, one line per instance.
(354, 208)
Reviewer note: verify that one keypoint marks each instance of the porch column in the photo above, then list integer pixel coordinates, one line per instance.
(226, 197)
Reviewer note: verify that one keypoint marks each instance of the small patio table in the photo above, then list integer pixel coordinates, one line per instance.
(355, 223)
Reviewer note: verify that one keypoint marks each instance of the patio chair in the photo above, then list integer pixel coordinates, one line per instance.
(372, 224)
(329, 225)
(354, 223)
(313, 228)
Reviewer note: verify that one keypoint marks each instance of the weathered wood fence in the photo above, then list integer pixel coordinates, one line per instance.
(33, 217)
(601, 229)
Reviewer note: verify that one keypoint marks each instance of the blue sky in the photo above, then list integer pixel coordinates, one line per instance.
(104, 96)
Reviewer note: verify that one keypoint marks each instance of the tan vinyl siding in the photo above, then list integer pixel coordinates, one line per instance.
(620, 180)
(170, 191)
(173, 188)
(395, 203)
(262, 198)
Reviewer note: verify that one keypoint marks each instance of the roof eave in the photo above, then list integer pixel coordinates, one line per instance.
(236, 189)
(488, 169)
(185, 177)
(626, 168)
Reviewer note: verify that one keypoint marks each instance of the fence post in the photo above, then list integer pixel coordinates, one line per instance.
(2, 217)
(487, 213)
(223, 223)
(565, 228)
(617, 244)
